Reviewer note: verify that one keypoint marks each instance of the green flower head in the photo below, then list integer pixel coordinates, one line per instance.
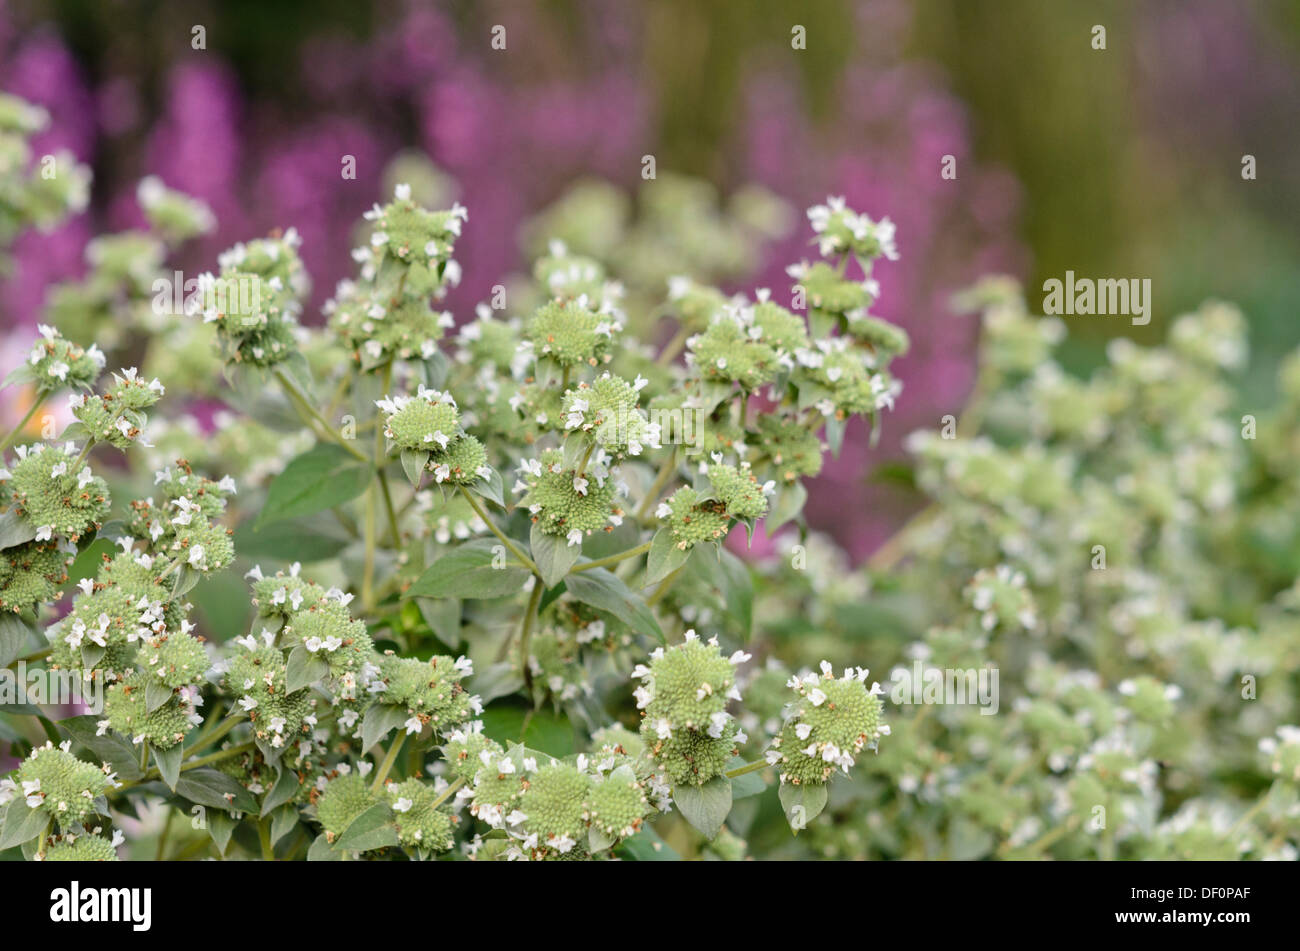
(420, 823)
(55, 362)
(31, 574)
(467, 749)
(826, 726)
(571, 333)
(607, 411)
(257, 677)
(429, 690)
(564, 502)
(343, 799)
(50, 494)
(126, 711)
(684, 695)
(60, 785)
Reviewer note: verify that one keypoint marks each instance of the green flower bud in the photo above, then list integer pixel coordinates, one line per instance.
(841, 230)
(420, 824)
(739, 491)
(553, 802)
(569, 275)
(126, 711)
(31, 574)
(498, 787)
(827, 726)
(344, 798)
(81, 848)
(464, 749)
(616, 806)
(427, 422)
(281, 595)
(256, 676)
(693, 519)
(727, 352)
(571, 333)
(53, 497)
(464, 462)
(60, 785)
(564, 503)
(684, 696)
(791, 449)
(607, 411)
(175, 659)
(173, 214)
(429, 690)
(327, 631)
(56, 362)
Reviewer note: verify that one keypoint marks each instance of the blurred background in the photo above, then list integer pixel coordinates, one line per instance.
(1122, 162)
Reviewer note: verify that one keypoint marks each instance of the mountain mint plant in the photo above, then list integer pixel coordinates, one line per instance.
(534, 583)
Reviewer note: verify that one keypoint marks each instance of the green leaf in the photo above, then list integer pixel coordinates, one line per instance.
(302, 669)
(169, 764)
(210, 788)
(321, 478)
(156, 694)
(112, 749)
(492, 488)
(16, 636)
(705, 807)
(748, 784)
(786, 506)
(305, 540)
(414, 462)
(15, 530)
(443, 617)
(373, 829)
(320, 851)
(21, 823)
(498, 680)
(553, 554)
(664, 558)
(286, 785)
(732, 578)
(607, 592)
(802, 804)
(648, 846)
(282, 822)
(469, 571)
(221, 827)
(379, 721)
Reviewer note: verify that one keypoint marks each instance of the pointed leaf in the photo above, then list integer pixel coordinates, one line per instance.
(705, 807)
(553, 554)
(321, 478)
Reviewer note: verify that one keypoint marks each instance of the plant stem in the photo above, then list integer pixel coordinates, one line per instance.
(22, 424)
(510, 546)
(315, 421)
(446, 793)
(386, 766)
(526, 631)
(673, 346)
(664, 586)
(162, 837)
(657, 486)
(747, 768)
(264, 837)
(613, 559)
